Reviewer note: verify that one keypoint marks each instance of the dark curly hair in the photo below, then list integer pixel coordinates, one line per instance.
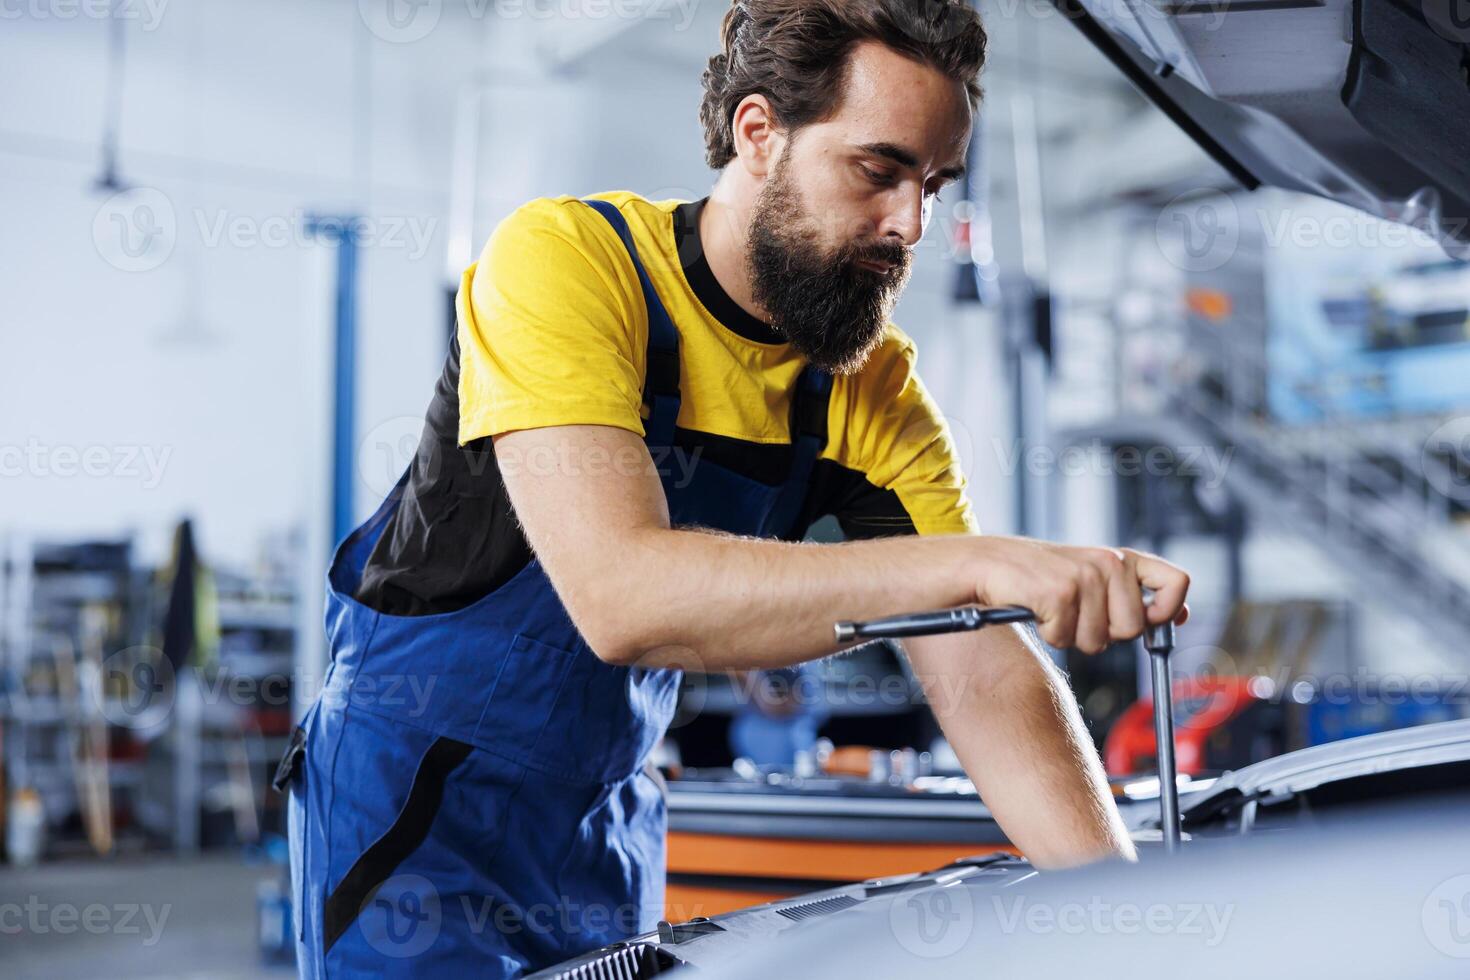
(794, 52)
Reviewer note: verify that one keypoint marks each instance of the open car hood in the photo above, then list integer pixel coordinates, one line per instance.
(1373, 898)
(1295, 772)
(1364, 102)
(705, 943)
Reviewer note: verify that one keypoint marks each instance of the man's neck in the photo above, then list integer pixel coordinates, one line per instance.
(723, 226)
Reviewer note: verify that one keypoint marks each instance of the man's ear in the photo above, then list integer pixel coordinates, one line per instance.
(757, 136)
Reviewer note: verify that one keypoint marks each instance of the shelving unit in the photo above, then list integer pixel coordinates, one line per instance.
(234, 715)
(124, 751)
(66, 607)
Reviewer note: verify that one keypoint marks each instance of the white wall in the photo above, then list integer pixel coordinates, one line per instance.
(236, 113)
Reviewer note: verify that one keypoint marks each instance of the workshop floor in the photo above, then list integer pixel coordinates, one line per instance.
(133, 917)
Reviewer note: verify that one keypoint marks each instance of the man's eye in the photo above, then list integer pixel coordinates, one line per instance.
(875, 176)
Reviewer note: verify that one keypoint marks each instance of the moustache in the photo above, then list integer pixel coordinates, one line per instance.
(895, 256)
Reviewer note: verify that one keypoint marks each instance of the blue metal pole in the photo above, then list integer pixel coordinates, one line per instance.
(340, 230)
(344, 421)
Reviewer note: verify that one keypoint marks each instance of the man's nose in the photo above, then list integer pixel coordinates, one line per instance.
(904, 219)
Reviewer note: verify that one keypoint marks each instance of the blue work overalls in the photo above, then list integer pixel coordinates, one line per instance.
(469, 790)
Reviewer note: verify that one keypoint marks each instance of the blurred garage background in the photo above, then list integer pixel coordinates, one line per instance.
(230, 237)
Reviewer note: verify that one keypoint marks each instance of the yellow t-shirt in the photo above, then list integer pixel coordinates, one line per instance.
(553, 331)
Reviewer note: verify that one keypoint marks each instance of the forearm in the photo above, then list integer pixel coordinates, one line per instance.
(715, 602)
(644, 592)
(1016, 728)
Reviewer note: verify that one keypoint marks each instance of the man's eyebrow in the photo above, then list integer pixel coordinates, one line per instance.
(901, 156)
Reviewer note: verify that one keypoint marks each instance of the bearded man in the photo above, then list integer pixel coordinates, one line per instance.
(645, 406)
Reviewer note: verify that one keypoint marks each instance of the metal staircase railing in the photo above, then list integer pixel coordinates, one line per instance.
(1369, 495)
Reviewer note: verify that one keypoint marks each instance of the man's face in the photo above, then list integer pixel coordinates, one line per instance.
(831, 234)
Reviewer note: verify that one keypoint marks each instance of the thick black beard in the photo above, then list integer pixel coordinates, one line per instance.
(832, 310)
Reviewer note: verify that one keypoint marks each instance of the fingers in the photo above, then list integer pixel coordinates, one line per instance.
(1057, 619)
(1126, 618)
(1099, 569)
(1105, 604)
(1086, 598)
(1111, 603)
(1170, 584)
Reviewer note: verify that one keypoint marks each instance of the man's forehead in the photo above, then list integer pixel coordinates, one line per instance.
(901, 109)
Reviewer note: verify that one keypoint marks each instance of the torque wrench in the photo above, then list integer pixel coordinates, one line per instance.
(1157, 639)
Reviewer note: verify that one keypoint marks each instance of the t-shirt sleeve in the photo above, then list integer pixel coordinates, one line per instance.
(911, 478)
(550, 326)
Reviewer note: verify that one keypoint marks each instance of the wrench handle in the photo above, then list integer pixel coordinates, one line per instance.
(1159, 641)
(956, 620)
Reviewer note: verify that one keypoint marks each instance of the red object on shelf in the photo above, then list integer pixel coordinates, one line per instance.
(1202, 706)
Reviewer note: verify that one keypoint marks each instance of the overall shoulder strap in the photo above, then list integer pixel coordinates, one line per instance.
(809, 405)
(661, 372)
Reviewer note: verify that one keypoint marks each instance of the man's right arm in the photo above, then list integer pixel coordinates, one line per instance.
(640, 591)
